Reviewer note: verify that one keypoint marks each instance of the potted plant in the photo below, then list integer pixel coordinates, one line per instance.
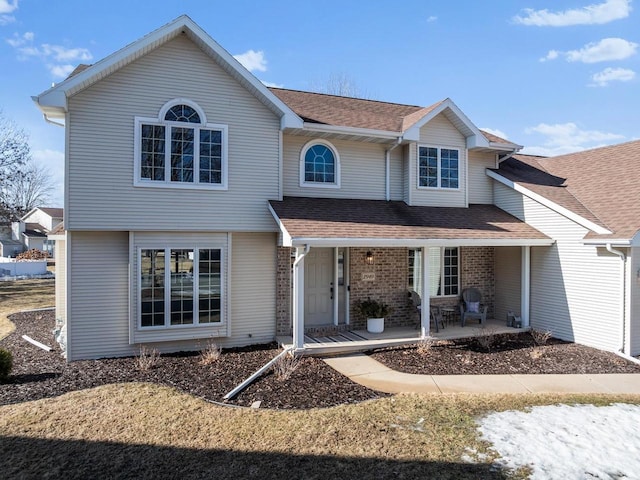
(374, 311)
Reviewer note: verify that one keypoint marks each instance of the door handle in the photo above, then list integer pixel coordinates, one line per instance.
(331, 290)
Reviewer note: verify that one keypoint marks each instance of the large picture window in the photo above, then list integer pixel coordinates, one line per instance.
(444, 271)
(180, 149)
(438, 167)
(180, 286)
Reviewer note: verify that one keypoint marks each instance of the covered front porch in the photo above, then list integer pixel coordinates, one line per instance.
(335, 253)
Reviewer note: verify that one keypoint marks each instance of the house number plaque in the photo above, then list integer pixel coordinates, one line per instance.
(369, 277)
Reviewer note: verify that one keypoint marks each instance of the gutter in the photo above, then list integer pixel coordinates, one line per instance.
(48, 120)
(623, 257)
(387, 169)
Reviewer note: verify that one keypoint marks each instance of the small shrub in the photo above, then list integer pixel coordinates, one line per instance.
(536, 354)
(210, 354)
(147, 359)
(373, 309)
(541, 337)
(6, 364)
(425, 346)
(487, 338)
(285, 366)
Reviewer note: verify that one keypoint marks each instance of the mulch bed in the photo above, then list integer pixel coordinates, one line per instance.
(39, 374)
(511, 354)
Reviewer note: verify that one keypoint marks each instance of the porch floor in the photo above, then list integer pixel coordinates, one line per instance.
(361, 340)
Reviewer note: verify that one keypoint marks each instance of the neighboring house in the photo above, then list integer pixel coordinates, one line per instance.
(211, 206)
(32, 229)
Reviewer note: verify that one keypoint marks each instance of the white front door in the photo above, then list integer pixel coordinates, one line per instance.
(318, 287)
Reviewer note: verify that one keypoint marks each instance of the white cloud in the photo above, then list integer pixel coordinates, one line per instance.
(58, 59)
(602, 79)
(432, 18)
(605, 50)
(599, 13)
(271, 84)
(562, 138)
(496, 132)
(252, 60)
(7, 7)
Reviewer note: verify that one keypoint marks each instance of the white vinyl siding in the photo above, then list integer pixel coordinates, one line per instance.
(480, 185)
(362, 170)
(61, 279)
(98, 295)
(507, 270)
(634, 291)
(576, 290)
(101, 127)
(440, 133)
(253, 293)
(396, 177)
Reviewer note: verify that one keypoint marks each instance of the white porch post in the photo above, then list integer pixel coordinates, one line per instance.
(297, 297)
(525, 285)
(425, 308)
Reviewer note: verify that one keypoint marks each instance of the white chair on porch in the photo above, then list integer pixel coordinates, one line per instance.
(470, 307)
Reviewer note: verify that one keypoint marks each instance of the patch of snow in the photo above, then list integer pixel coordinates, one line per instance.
(568, 441)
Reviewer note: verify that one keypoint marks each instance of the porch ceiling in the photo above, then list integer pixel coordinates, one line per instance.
(352, 222)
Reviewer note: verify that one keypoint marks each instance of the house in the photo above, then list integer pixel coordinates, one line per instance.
(211, 206)
(31, 230)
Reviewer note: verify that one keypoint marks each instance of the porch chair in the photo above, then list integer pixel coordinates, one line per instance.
(436, 314)
(470, 307)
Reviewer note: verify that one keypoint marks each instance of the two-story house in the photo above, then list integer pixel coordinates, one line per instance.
(201, 204)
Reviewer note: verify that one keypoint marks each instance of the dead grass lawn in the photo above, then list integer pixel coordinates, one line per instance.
(23, 295)
(149, 431)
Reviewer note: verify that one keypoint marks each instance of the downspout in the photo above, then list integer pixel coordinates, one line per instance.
(624, 290)
(296, 326)
(387, 169)
(48, 120)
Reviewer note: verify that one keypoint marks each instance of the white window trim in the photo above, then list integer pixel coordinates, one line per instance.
(439, 149)
(303, 152)
(138, 181)
(441, 269)
(167, 281)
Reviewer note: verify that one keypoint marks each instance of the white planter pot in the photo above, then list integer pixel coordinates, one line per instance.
(375, 325)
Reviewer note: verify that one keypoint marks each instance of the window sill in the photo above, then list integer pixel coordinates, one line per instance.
(319, 185)
(440, 189)
(180, 186)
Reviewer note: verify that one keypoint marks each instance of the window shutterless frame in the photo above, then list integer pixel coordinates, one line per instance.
(168, 283)
(438, 168)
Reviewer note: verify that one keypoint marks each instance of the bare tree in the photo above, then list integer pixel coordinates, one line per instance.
(30, 188)
(15, 152)
(340, 84)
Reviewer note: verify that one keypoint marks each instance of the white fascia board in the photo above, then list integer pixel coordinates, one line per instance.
(57, 95)
(286, 238)
(614, 242)
(475, 138)
(57, 236)
(549, 204)
(417, 242)
(365, 132)
(507, 147)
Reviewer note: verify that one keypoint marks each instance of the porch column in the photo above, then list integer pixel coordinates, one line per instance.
(297, 298)
(425, 308)
(525, 284)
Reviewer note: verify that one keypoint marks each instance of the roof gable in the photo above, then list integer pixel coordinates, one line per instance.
(53, 102)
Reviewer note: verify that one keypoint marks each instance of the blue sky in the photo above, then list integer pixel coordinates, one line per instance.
(556, 76)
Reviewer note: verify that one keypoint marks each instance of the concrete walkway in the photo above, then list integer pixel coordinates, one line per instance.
(366, 371)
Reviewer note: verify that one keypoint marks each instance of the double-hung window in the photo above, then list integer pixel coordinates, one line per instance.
(180, 286)
(444, 271)
(438, 167)
(180, 149)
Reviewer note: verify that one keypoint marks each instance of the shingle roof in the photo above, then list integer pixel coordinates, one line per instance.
(378, 219)
(53, 212)
(341, 111)
(58, 229)
(602, 185)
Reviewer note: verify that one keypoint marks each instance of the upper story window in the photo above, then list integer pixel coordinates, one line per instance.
(319, 165)
(180, 149)
(438, 167)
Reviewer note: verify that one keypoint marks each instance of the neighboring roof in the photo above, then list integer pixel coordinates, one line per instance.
(53, 212)
(57, 230)
(9, 243)
(307, 220)
(601, 185)
(34, 230)
(53, 102)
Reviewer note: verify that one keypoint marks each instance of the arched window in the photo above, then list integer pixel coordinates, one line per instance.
(180, 149)
(319, 165)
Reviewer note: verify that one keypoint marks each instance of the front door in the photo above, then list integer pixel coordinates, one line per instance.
(318, 283)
